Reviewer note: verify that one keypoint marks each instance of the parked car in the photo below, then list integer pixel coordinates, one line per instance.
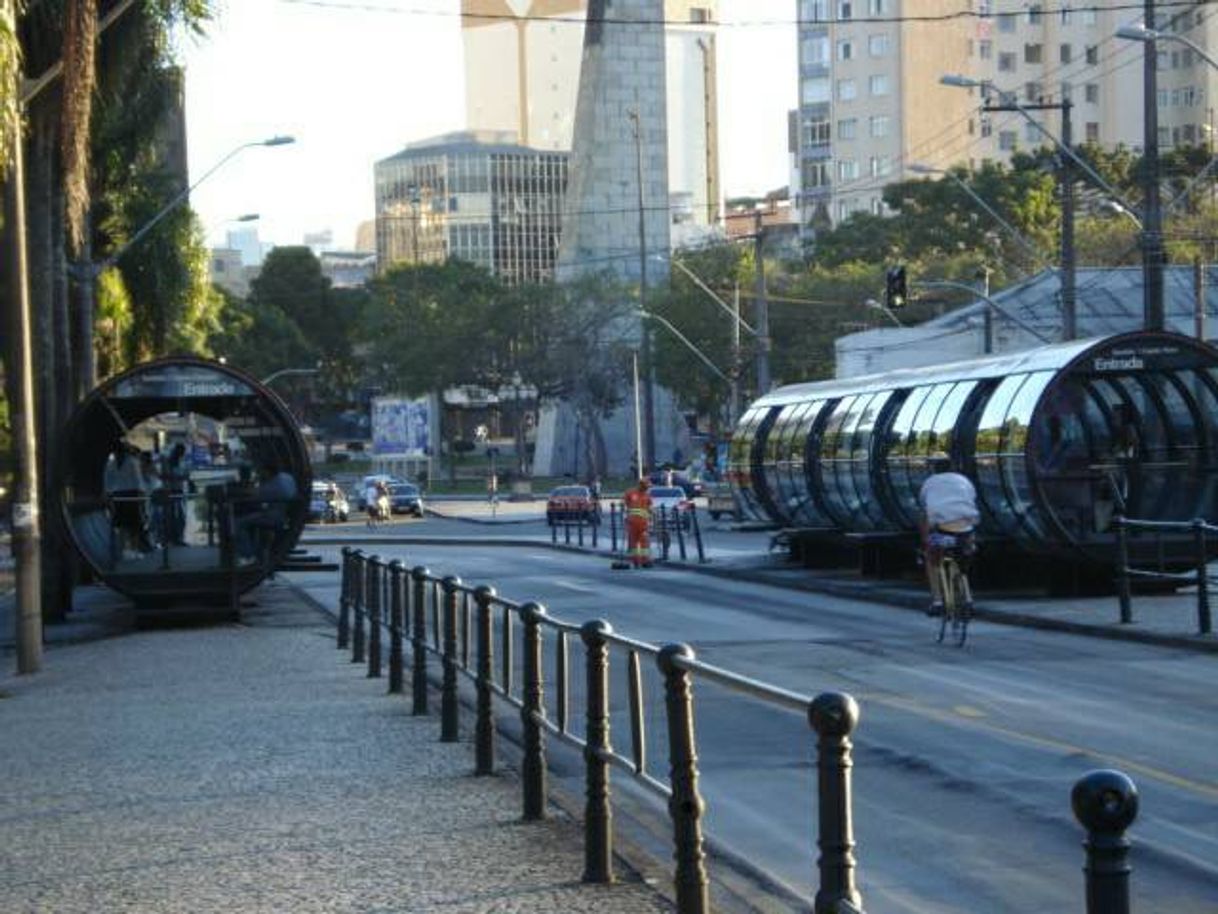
(319, 510)
(405, 498)
(372, 479)
(670, 498)
(572, 504)
(690, 486)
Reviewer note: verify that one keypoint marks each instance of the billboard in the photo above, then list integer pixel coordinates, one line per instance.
(401, 427)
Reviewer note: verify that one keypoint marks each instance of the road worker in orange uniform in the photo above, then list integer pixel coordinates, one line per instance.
(637, 505)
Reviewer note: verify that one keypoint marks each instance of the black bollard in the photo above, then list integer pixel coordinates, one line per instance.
(596, 525)
(1204, 623)
(344, 598)
(685, 806)
(533, 767)
(613, 527)
(1106, 803)
(598, 812)
(566, 533)
(579, 530)
(697, 535)
(357, 633)
(449, 705)
(553, 532)
(395, 626)
(484, 727)
(375, 569)
(1122, 538)
(418, 639)
(834, 715)
(680, 525)
(665, 536)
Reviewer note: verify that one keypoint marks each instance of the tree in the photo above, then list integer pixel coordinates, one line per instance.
(259, 338)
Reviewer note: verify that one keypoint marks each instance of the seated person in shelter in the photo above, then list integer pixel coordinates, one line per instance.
(124, 484)
(949, 509)
(269, 510)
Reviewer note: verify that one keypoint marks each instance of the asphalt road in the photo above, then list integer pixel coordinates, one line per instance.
(964, 760)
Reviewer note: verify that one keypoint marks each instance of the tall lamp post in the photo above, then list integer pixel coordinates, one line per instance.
(86, 273)
(647, 459)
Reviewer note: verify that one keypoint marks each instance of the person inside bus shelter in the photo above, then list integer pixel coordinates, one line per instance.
(269, 515)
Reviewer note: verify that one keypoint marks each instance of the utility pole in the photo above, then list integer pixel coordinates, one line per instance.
(1198, 300)
(734, 400)
(648, 457)
(1152, 217)
(763, 309)
(989, 311)
(27, 536)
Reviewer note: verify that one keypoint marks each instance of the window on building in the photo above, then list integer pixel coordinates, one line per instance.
(845, 49)
(1093, 54)
(1034, 13)
(877, 7)
(877, 206)
(1006, 61)
(1066, 53)
(985, 49)
(845, 10)
(816, 174)
(1189, 133)
(987, 126)
(1087, 15)
(1164, 136)
(815, 89)
(1091, 93)
(1033, 53)
(877, 84)
(846, 90)
(880, 125)
(848, 129)
(985, 8)
(1033, 92)
(814, 10)
(1006, 22)
(1092, 131)
(815, 133)
(1067, 15)
(1186, 57)
(877, 45)
(1006, 140)
(1161, 59)
(815, 49)
(1067, 92)
(847, 169)
(880, 166)
(1032, 134)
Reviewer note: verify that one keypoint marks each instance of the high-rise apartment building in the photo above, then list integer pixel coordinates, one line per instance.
(474, 195)
(522, 69)
(871, 102)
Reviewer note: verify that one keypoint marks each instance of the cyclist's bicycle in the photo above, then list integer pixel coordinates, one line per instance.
(956, 555)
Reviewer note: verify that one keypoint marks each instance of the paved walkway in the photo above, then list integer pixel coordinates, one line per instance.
(253, 768)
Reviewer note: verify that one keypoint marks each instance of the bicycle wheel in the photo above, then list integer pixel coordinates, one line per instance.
(961, 602)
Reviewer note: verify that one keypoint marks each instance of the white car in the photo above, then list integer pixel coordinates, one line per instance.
(670, 498)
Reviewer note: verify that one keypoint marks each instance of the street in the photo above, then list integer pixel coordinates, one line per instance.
(964, 760)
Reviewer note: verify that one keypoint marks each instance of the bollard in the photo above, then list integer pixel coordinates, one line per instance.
(395, 627)
(357, 633)
(834, 715)
(484, 727)
(375, 567)
(665, 538)
(596, 525)
(697, 535)
(418, 685)
(553, 532)
(613, 527)
(580, 532)
(449, 706)
(1204, 623)
(344, 597)
(685, 806)
(1105, 803)
(680, 525)
(566, 534)
(533, 767)
(598, 812)
(1122, 537)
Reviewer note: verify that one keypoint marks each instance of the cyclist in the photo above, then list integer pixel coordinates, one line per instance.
(949, 511)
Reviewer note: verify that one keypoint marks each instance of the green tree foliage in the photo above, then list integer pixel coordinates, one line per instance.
(259, 338)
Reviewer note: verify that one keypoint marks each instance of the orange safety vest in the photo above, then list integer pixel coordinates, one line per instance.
(637, 503)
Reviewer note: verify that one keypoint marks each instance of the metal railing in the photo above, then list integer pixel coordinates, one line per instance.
(470, 628)
(1198, 575)
(669, 528)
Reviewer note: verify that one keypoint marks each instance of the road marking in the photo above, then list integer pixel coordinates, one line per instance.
(571, 585)
(968, 711)
(1129, 766)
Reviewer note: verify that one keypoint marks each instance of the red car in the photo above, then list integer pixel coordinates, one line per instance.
(571, 504)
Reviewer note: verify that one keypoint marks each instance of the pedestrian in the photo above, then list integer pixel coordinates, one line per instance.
(637, 505)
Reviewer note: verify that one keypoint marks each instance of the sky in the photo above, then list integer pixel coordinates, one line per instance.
(355, 80)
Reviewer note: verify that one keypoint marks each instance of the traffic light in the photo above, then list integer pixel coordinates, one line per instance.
(894, 291)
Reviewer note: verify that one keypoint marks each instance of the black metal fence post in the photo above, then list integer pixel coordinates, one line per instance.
(613, 526)
(680, 525)
(418, 684)
(484, 728)
(449, 705)
(395, 626)
(697, 535)
(598, 812)
(344, 598)
(533, 767)
(375, 569)
(553, 532)
(596, 525)
(1204, 623)
(1122, 536)
(834, 715)
(665, 534)
(357, 633)
(579, 531)
(685, 806)
(1106, 803)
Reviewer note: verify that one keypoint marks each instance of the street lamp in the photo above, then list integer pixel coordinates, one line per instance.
(877, 306)
(992, 305)
(282, 372)
(86, 273)
(649, 411)
(647, 315)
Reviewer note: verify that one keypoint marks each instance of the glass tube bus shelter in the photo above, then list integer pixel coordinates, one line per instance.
(1058, 441)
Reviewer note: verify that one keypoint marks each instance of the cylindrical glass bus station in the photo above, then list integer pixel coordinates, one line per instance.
(1058, 440)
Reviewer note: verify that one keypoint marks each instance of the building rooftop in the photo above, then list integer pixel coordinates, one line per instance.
(480, 141)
